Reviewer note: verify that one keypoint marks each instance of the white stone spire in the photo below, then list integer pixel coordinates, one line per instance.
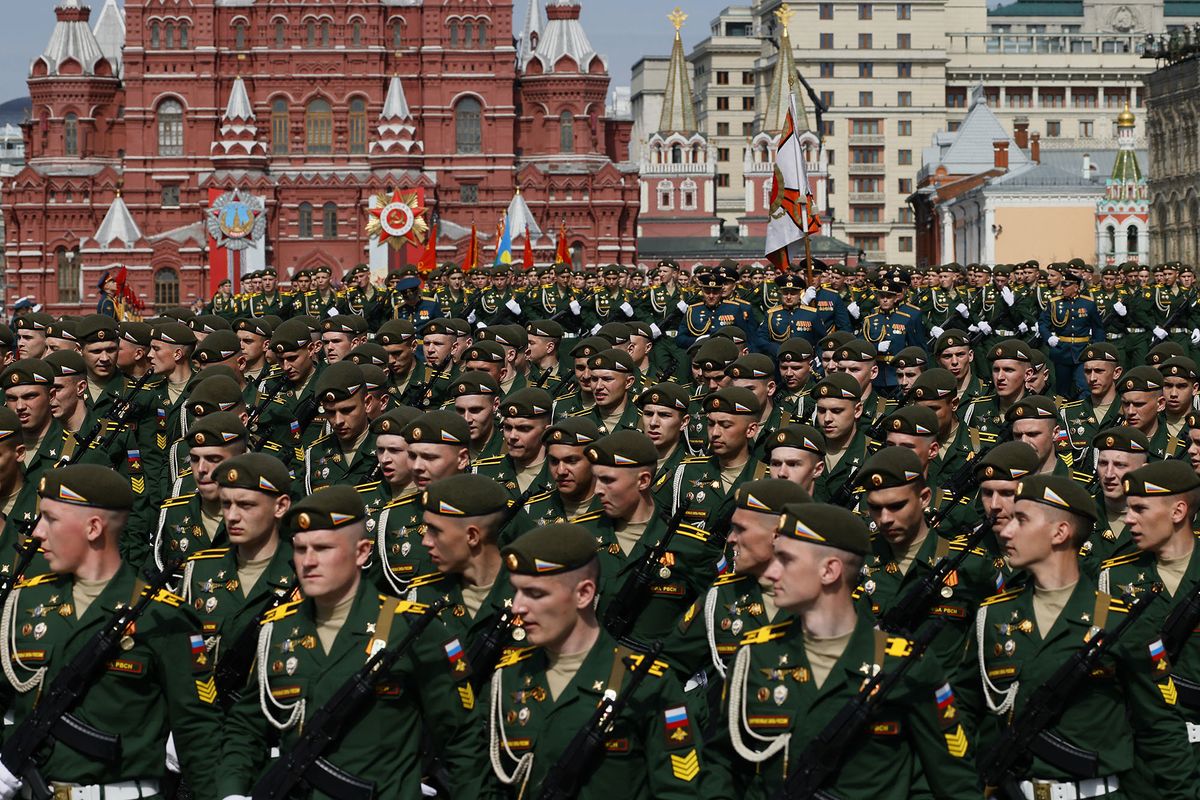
(397, 135)
(118, 226)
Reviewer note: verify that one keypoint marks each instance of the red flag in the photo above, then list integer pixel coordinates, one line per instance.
(527, 257)
(562, 255)
(471, 259)
(428, 261)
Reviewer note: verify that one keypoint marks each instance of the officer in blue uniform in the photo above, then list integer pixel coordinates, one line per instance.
(716, 311)
(1069, 323)
(107, 304)
(891, 329)
(413, 306)
(831, 308)
(790, 320)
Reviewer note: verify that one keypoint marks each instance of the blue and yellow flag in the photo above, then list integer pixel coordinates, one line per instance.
(504, 246)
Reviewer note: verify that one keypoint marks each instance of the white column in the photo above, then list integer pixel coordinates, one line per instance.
(947, 237)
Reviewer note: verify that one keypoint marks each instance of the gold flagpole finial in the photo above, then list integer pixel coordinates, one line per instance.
(784, 14)
(677, 17)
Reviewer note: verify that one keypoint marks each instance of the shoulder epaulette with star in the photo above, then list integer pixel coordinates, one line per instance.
(515, 656)
(181, 500)
(279, 612)
(766, 633)
(38, 580)
(1117, 561)
(730, 578)
(425, 580)
(1003, 597)
(204, 555)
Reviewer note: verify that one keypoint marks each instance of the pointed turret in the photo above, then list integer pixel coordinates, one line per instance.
(1126, 169)
(784, 83)
(564, 38)
(237, 144)
(396, 133)
(531, 33)
(72, 40)
(678, 113)
(118, 226)
(520, 219)
(110, 33)
(1123, 215)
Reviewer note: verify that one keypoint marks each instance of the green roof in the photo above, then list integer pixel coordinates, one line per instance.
(1126, 168)
(1039, 8)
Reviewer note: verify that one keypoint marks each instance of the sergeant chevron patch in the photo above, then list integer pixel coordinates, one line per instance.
(687, 767)
(207, 691)
(956, 742)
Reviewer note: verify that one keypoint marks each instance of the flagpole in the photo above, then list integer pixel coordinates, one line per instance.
(808, 269)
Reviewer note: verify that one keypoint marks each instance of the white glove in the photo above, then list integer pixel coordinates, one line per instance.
(1195, 335)
(333, 312)
(985, 328)
(513, 306)
(627, 309)
(1159, 333)
(936, 331)
(809, 295)
(10, 784)
(480, 325)
(853, 309)
(1119, 307)
(972, 329)
(682, 306)
(1007, 295)
(1052, 341)
(654, 329)
(576, 309)
(595, 328)
(471, 318)
(172, 756)
(884, 346)
(962, 309)
(237, 797)
(428, 791)
(1023, 328)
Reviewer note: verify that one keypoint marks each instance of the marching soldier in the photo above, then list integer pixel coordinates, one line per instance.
(1011, 366)
(1143, 407)
(859, 359)
(525, 417)
(1099, 408)
(839, 408)
(790, 320)
(704, 318)
(347, 454)
(890, 330)
(796, 453)
(573, 488)
(1069, 323)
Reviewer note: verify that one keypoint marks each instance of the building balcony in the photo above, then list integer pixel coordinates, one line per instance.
(867, 169)
(649, 168)
(1046, 43)
(867, 138)
(867, 197)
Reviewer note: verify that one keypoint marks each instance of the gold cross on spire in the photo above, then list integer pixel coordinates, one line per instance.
(677, 17)
(784, 14)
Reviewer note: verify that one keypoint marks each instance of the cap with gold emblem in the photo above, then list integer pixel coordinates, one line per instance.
(348, 324)
(88, 485)
(1179, 367)
(393, 421)
(1163, 351)
(528, 403)
(838, 386)
(10, 425)
(669, 395)
(399, 331)
(339, 381)
(1141, 379)
(573, 432)
(369, 354)
(589, 346)
(1122, 438)
(624, 448)
(474, 382)
(219, 429)
(934, 384)
(488, 352)
(438, 427)
(799, 436)
(1035, 406)
(733, 400)
(136, 333)
(466, 495)
(616, 332)
(754, 366)
(1161, 479)
(1007, 461)
(326, 509)
(291, 336)
(550, 550)
(835, 340)
(820, 523)
(66, 364)
(1100, 352)
(34, 321)
(911, 357)
(613, 360)
(769, 495)
(857, 350)
(442, 326)
(716, 354)
(259, 472)
(255, 325)
(28, 372)
(1059, 492)
(217, 346)
(889, 468)
(1011, 350)
(795, 350)
(95, 328)
(912, 420)
(175, 333)
(214, 393)
(546, 328)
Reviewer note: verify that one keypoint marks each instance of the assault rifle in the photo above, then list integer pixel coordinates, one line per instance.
(1028, 733)
(51, 718)
(822, 757)
(630, 600)
(116, 420)
(273, 388)
(304, 763)
(423, 391)
(965, 481)
(566, 775)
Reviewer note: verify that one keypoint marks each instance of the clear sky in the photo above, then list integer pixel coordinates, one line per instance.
(622, 30)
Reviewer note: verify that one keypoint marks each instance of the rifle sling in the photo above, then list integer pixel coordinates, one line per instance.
(383, 624)
(617, 675)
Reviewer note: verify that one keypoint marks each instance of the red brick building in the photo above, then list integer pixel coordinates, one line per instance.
(313, 107)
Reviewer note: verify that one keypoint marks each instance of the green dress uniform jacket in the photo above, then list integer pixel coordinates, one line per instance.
(399, 555)
(697, 481)
(326, 464)
(159, 682)
(296, 677)
(773, 708)
(652, 751)
(181, 530)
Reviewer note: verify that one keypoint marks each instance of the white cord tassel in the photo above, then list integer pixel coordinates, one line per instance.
(381, 541)
(990, 689)
(8, 656)
(710, 607)
(497, 735)
(295, 711)
(737, 716)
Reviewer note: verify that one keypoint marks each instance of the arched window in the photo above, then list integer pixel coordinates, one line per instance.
(468, 131)
(566, 132)
(239, 35)
(71, 134)
(166, 288)
(329, 221)
(324, 33)
(310, 34)
(69, 278)
(1112, 238)
(676, 154)
(170, 128)
(666, 195)
(155, 36)
(1131, 240)
(279, 126)
(358, 126)
(280, 33)
(397, 34)
(453, 33)
(468, 34)
(356, 33)
(481, 29)
(184, 37)
(305, 219)
(169, 36)
(318, 127)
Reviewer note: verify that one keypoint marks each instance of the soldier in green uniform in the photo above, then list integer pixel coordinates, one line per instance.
(362, 298)
(1037, 421)
(839, 407)
(664, 417)
(790, 678)
(222, 302)
(1011, 365)
(796, 453)
(308, 649)
(1143, 406)
(394, 475)
(756, 372)
(159, 685)
(347, 454)
(797, 378)
(451, 296)
(1098, 408)
(1117, 452)
(18, 497)
(953, 353)
(340, 335)
(1027, 633)
(295, 425)
(544, 694)
(1180, 377)
(613, 377)
(858, 358)
(525, 417)
(571, 493)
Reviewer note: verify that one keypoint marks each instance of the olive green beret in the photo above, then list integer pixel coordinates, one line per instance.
(442, 326)
(513, 336)
(212, 370)
(209, 323)
(292, 336)
(667, 394)
(733, 400)
(393, 421)
(838, 386)
(550, 550)
(639, 328)
(349, 324)
(803, 437)
(1179, 367)
(820, 523)
(754, 366)
(1161, 478)
(1058, 492)
(572, 432)
(796, 349)
(1007, 461)
(624, 448)
(369, 353)
(527, 403)
(466, 495)
(88, 485)
(397, 331)
(217, 346)
(769, 495)
(1141, 379)
(34, 321)
(613, 360)
(934, 384)
(835, 340)
(339, 381)
(858, 350)
(491, 352)
(96, 328)
(175, 333)
(890, 467)
(1034, 406)
(66, 364)
(63, 329)
(912, 420)
(615, 332)
(474, 382)
(259, 326)
(1122, 438)
(547, 328)
(27, 372)
(911, 357)
(1162, 351)
(438, 427)
(218, 429)
(257, 471)
(214, 393)
(10, 424)
(374, 378)
(589, 346)
(1099, 352)
(1013, 349)
(716, 353)
(951, 338)
(326, 509)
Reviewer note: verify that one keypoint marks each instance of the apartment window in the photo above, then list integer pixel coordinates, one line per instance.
(722, 78)
(904, 99)
(722, 154)
(747, 129)
(748, 103)
(904, 127)
(1019, 98)
(722, 129)
(904, 186)
(903, 10)
(170, 197)
(864, 10)
(956, 97)
(864, 127)
(1052, 98)
(904, 214)
(829, 190)
(903, 69)
(866, 99)
(468, 193)
(906, 244)
(723, 180)
(866, 155)
(279, 126)
(1053, 129)
(305, 219)
(1083, 98)
(827, 130)
(827, 99)
(904, 157)
(826, 41)
(953, 125)
(866, 69)
(722, 104)
(747, 79)
(829, 155)
(1085, 129)
(826, 10)
(903, 41)
(864, 41)
(826, 69)
(865, 214)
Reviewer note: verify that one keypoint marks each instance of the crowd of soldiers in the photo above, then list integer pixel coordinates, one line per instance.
(720, 533)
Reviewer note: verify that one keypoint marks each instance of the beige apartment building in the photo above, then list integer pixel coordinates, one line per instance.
(895, 73)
